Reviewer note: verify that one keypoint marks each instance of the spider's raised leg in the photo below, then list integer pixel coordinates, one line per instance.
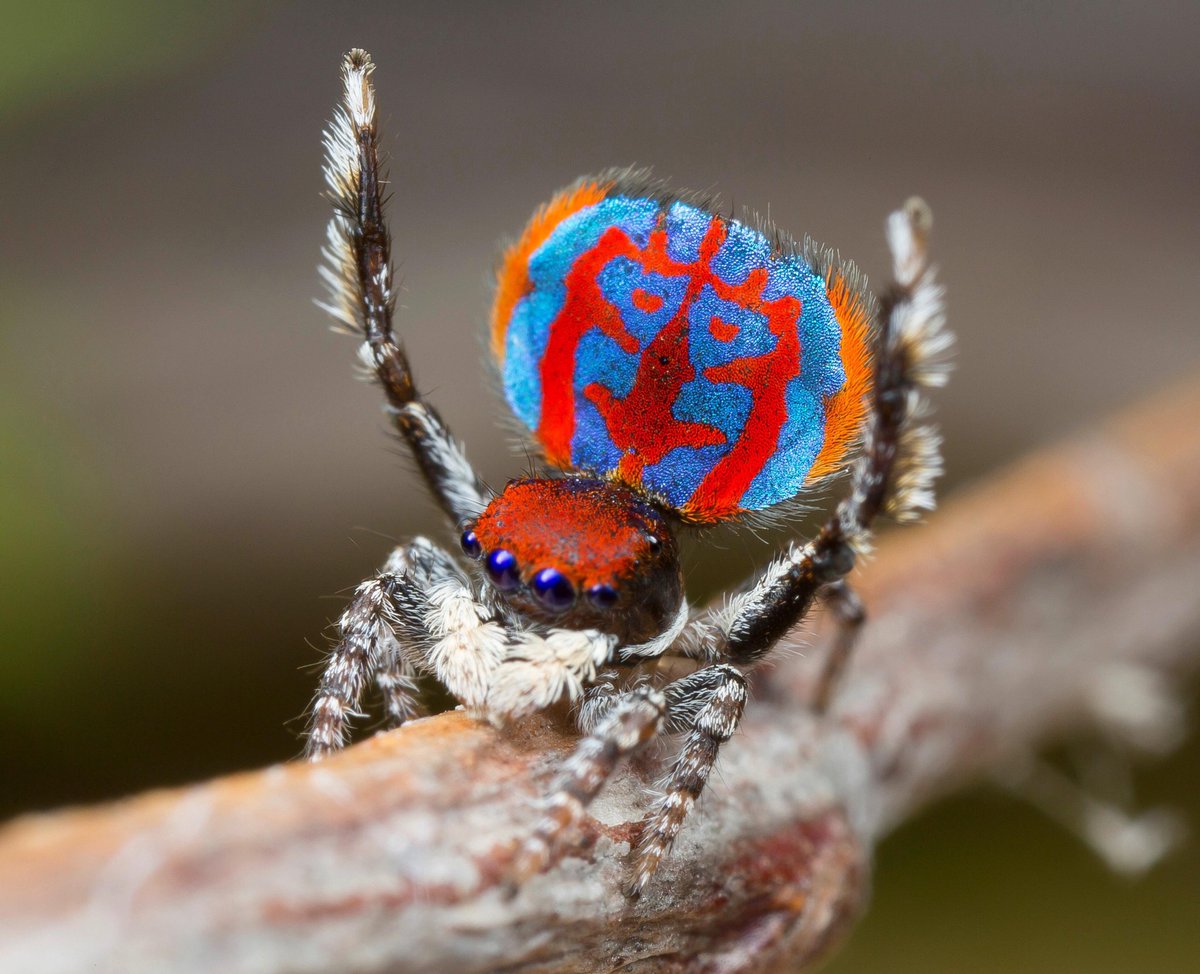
(359, 276)
(849, 613)
(894, 473)
(630, 721)
(381, 634)
(706, 706)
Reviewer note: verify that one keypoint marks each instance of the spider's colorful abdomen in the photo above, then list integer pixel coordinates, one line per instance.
(644, 338)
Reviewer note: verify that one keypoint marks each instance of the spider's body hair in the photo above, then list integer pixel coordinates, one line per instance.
(661, 643)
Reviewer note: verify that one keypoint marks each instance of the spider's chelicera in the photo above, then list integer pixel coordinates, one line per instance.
(673, 367)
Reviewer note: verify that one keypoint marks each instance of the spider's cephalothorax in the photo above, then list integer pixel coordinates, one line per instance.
(671, 366)
(580, 553)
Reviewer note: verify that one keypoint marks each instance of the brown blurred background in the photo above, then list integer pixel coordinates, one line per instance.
(190, 475)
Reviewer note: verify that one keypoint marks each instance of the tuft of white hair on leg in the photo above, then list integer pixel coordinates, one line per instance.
(918, 466)
(917, 322)
(901, 458)
(343, 169)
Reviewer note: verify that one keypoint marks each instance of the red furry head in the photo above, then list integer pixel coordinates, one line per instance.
(590, 554)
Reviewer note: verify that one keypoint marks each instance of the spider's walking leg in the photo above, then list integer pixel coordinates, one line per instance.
(633, 719)
(366, 641)
(381, 634)
(396, 680)
(706, 706)
(359, 277)
(850, 614)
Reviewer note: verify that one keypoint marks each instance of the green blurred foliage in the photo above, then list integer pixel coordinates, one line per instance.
(56, 48)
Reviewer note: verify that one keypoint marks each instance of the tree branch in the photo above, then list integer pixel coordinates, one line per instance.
(1032, 606)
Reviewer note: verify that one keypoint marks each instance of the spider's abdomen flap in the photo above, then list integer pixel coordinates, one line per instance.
(644, 338)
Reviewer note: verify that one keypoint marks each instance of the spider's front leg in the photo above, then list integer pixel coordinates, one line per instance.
(381, 634)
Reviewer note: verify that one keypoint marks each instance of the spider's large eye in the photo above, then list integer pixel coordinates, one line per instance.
(501, 567)
(553, 589)
(602, 596)
(471, 545)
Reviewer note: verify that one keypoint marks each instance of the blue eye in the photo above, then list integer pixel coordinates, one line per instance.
(471, 545)
(553, 589)
(602, 596)
(501, 567)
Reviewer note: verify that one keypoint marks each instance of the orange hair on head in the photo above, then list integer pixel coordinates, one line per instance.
(846, 410)
(512, 278)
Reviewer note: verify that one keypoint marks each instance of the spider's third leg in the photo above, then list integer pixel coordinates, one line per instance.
(894, 473)
(850, 614)
(361, 294)
(633, 719)
(706, 706)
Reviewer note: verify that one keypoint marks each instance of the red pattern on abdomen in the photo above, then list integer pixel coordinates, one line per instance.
(642, 425)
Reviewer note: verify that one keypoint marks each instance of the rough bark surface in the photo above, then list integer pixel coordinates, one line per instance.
(1013, 617)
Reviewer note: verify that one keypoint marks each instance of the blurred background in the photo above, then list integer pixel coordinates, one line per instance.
(191, 479)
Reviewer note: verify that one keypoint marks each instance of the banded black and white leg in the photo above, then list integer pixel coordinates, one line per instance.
(706, 707)
(623, 722)
(396, 680)
(382, 635)
(358, 273)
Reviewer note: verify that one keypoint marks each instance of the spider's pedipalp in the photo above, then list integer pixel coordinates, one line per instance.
(543, 668)
(468, 644)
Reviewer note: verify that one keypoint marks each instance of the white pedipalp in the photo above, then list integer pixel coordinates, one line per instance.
(467, 646)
